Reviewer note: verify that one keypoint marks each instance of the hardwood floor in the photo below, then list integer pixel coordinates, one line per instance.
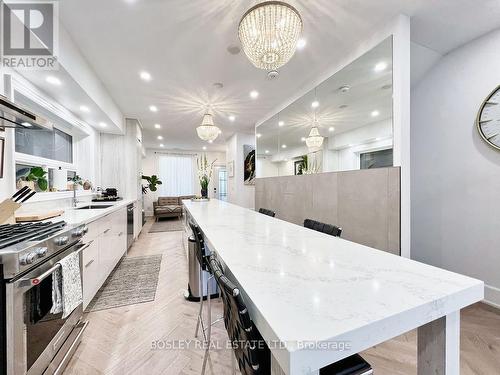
(122, 340)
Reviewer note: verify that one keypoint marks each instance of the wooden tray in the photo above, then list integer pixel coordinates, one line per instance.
(39, 216)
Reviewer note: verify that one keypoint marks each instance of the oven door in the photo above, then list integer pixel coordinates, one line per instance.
(34, 335)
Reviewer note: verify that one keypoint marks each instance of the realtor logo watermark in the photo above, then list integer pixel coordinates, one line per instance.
(30, 34)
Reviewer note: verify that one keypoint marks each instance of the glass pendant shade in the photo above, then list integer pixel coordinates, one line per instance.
(207, 131)
(314, 140)
(269, 33)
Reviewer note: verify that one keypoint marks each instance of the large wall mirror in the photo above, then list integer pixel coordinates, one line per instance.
(345, 123)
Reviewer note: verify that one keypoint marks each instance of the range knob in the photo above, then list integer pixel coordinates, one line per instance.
(78, 232)
(28, 258)
(41, 252)
(60, 241)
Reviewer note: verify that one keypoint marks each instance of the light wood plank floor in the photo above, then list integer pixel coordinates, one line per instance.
(120, 341)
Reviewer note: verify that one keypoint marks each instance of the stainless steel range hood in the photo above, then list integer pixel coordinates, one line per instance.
(14, 116)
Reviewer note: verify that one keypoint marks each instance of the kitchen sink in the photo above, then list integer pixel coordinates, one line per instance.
(95, 207)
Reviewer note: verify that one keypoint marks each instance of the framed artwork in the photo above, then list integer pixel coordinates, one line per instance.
(298, 166)
(249, 164)
(2, 151)
(230, 169)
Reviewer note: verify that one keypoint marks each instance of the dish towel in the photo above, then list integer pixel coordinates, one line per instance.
(67, 286)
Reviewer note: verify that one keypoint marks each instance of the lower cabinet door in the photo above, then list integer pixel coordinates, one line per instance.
(91, 272)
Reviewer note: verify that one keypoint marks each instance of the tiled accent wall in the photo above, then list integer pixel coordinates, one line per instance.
(365, 203)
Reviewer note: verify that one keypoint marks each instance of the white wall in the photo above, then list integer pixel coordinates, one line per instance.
(237, 192)
(455, 175)
(150, 167)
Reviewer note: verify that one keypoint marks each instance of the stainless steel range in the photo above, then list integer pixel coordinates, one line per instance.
(33, 340)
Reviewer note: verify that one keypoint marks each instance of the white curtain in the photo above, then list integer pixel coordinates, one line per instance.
(177, 173)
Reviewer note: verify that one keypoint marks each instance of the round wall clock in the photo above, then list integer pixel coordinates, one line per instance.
(488, 119)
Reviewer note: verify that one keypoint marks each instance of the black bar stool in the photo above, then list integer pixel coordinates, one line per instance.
(267, 212)
(330, 229)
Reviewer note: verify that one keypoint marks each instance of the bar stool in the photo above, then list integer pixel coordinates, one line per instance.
(318, 226)
(267, 212)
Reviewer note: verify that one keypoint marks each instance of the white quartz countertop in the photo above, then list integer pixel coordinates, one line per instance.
(75, 217)
(304, 286)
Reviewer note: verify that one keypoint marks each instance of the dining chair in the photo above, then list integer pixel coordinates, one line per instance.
(330, 229)
(267, 212)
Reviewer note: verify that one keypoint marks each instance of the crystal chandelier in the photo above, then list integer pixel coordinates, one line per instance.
(269, 33)
(207, 131)
(314, 140)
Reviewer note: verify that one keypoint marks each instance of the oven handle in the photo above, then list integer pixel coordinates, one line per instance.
(37, 280)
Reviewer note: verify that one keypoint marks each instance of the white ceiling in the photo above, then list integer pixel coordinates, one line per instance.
(183, 44)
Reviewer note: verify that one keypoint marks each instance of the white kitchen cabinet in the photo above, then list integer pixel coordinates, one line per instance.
(108, 238)
(91, 275)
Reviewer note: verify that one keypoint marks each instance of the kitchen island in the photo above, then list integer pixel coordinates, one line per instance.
(322, 298)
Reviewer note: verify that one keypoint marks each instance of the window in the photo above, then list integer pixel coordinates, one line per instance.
(53, 145)
(376, 159)
(222, 184)
(177, 175)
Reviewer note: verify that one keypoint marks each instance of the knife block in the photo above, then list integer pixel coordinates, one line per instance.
(7, 209)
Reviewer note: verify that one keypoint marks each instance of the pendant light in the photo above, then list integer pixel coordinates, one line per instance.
(207, 131)
(269, 33)
(314, 140)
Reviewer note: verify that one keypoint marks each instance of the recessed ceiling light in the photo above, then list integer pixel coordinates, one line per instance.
(315, 104)
(232, 118)
(210, 141)
(331, 129)
(303, 139)
(258, 135)
(102, 124)
(381, 66)
(153, 108)
(84, 108)
(281, 123)
(344, 88)
(204, 147)
(157, 126)
(254, 94)
(283, 146)
(301, 43)
(375, 113)
(27, 124)
(160, 137)
(53, 80)
(145, 76)
(267, 151)
(378, 139)
(161, 145)
(343, 106)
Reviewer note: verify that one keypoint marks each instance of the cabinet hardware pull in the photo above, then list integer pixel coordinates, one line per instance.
(89, 263)
(120, 234)
(107, 230)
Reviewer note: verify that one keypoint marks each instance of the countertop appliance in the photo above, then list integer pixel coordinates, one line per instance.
(107, 195)
(32, 340)
(130, 225)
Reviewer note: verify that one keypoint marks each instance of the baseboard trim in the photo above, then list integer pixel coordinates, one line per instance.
(492, 296)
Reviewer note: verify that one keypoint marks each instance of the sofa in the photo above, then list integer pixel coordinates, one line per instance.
(169, 206)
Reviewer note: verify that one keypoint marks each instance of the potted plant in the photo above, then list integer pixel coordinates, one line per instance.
(204, 174)
(76, 180)
(36, 176)
(152, 182)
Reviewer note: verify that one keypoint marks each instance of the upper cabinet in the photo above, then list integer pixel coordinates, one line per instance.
(345, 123)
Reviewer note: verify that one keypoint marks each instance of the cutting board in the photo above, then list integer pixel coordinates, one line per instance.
(39, 216)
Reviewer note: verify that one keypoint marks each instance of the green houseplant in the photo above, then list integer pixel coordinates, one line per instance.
(38, 176)
(152, 181)
(204, 173)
